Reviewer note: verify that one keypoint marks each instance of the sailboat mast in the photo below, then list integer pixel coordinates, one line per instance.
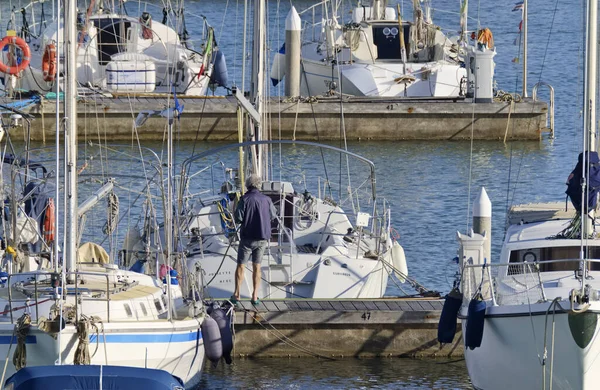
(591, 66)
(464, 21)
(59, 43)
(70, 50)
(589, 120)
(258, 82)
(525, 49)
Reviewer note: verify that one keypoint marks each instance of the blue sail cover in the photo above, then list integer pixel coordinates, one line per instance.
(574, 189)
(88, 378)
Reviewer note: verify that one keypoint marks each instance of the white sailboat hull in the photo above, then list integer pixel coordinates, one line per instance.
(442, 80)
(512, 351)
(178, 350)
(342, 278)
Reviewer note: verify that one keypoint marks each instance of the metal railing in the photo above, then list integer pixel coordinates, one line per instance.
(517, 283)
(375, 221)
(46, 289)
(551, 108)
(312, 10)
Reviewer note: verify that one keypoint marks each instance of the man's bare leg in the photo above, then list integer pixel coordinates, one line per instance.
(239, 278)
(256, 280)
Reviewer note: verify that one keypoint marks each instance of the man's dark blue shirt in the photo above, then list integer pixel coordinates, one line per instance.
(254, 212)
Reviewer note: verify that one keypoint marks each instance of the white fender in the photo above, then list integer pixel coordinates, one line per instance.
(211, 335)
(399, 262)
(278, 68)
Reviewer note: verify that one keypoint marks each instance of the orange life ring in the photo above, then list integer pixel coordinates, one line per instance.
(49, 62)
(49, 222)
(21, 44)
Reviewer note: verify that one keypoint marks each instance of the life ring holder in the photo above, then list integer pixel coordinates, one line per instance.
(21, 44)
(49, 62)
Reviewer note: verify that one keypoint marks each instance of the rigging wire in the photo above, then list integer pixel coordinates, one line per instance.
(343, 140)
(303, 70)
(510, 200)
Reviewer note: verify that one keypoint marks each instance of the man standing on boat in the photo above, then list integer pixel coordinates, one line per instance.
(254, 213)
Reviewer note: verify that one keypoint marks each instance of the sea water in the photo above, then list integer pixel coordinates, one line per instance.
(430, 185)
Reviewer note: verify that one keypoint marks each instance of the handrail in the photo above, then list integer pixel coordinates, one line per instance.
(551, 110)
(206, 153)
(470, 280)
(313, 6)
(332, 233)
(36, 293)
(517, 263)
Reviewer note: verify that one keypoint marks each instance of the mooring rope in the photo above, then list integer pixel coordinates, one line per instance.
(282, 337)
(21, 330)
(82, 353)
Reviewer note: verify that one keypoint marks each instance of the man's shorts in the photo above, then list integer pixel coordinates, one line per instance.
(256, 248)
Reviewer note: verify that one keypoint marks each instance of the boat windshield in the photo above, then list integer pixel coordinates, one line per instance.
(545, 255)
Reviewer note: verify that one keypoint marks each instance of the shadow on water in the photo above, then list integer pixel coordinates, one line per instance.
(297, 373)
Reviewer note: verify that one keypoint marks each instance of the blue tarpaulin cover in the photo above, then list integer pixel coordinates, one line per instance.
(88, 378)
(574, 184)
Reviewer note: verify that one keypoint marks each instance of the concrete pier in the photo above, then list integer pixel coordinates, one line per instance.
(318, 119)
(404, 327)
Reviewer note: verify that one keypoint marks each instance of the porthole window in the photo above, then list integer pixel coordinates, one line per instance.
(157, 304)
(128, 310)
(143, 308)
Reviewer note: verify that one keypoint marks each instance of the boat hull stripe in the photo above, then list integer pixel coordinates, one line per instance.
(147, 338)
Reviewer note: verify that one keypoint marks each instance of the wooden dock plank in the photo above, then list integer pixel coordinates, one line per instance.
(360, 305)
(381, 305)
(303, 305)
(415, 306)
(426, 305)
(337, 305)
(348, 306)
(314, 305)
(281, 306)
(292, 305)
(438, 304)
(270, 306)
(393, 305)
(325, 305)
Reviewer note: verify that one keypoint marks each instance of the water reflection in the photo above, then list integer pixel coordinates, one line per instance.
(392, 373)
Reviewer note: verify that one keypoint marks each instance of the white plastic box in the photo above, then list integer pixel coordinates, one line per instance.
(131, 76)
